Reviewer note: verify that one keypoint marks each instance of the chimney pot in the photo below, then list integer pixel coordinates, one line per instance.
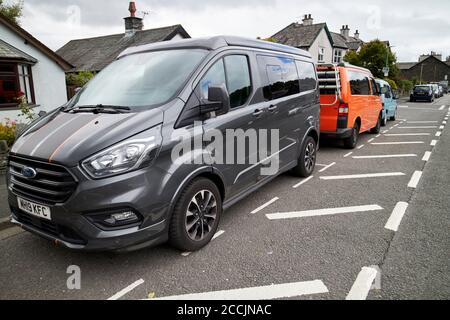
(132, 9)
(133, 23)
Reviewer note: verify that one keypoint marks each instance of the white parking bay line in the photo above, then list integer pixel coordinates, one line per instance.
(433, 143)
(348, 154)
(438, 134)
(322, 212)
(302, 182)
(360, 147)
(420, 127)
(386, 156)
(279, 291)
(406, 134)
(363, 176)
(265, 205)
(123, 292)
(426, 156)
(396, 217)
(363, 284)
(371, 140)
(441, 127)
(327, 167)
(415, 179)
(396, 143)
(419, 122)
(442, 108)
(218, 234)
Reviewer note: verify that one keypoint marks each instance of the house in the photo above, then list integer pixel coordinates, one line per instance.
(429, 68)
(28, 68)
(324, 46)
(94, 54)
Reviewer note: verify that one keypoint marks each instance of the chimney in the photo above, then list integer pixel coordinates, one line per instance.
(357, 34)
(345, 31)
(133, 23)
(308, 20)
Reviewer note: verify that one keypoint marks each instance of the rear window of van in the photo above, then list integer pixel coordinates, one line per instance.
(359, 83)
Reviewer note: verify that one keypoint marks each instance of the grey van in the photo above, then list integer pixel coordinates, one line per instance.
(99, 173)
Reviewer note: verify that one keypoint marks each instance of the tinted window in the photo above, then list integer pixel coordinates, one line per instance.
(359, 84)
(279, 76)
(375, 87)
(238, 80)
(307, 75)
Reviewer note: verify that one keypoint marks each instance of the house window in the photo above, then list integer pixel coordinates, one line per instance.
(15, 81)
(321, 57)
(337, 56)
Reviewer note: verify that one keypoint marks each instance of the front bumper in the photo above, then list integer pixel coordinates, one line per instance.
(140, 191)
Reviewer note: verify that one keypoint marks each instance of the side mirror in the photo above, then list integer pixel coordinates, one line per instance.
(218, 101)
(42, 114)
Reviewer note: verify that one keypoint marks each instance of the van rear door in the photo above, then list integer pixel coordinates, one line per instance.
(329, 82)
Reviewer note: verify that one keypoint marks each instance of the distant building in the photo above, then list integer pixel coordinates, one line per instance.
(324, 46)
(94, 54)
(30, 69)
(429, 68)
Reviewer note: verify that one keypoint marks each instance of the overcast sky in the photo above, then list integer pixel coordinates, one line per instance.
(414, 27)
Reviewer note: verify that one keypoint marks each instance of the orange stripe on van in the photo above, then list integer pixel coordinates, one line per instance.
(70, 137)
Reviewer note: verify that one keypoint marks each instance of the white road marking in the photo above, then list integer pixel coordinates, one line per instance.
(265, 205)
(327, 167)
(123, 292)
(280, 291)
(415, 179)
(406, 134)
(396, 217)
(321, 212)
(444, 122)
(433, 143)
(363, 284)
(442, 108)
(438, 134)
(360, 147)
(321, 165)
(371, 140)
(420, 127)
(396, 143)
(302, 182)
(363, 176)
(418, 122)
(385, 131)
(403, 106)
(378, 136)
(348, 154)
(441, 127)
(218, 234)
(426, 156)
(386, 156)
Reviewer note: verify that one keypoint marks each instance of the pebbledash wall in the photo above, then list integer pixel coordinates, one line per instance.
(49, 78)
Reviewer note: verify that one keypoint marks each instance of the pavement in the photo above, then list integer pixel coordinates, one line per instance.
(382, 234)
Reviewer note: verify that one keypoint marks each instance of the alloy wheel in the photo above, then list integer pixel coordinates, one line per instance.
(201, 215)
(310, 156)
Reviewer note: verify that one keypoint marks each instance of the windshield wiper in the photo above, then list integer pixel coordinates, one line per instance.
(100, 108)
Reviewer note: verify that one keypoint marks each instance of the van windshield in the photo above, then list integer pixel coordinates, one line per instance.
(142, 80)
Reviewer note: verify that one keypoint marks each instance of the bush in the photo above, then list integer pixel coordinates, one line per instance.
(392, 83)
(8, 131)
(79, 79)
(405, 86)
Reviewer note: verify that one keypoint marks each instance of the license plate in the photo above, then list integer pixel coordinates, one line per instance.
(34, 209)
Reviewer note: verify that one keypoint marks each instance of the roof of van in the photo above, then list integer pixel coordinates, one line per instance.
(343, 65)
(214, 43)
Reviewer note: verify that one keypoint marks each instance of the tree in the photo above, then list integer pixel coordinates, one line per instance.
(12, 11)
(373, 56)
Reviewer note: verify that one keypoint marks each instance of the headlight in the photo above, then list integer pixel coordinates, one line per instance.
(131, 154)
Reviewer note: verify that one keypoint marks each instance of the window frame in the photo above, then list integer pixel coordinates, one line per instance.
(338, 53)
(365, 75)
(18, 74)
(321, 53)
(315, 73)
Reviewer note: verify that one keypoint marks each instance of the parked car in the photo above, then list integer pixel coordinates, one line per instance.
(423, 92)
(437, 92)
(350, 103)
(444, 84)
(105, 172)
(389, 99)
(441, 90)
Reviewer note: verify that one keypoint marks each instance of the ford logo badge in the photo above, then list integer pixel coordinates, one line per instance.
(29, 173)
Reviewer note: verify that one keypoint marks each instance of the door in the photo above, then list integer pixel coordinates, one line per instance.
(361, 100)
(235, 153)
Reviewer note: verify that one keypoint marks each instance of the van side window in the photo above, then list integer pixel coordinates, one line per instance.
(359, 84)
(307, 75)
(279, 76)
(239, 84)
(375, 87)
(233, 72)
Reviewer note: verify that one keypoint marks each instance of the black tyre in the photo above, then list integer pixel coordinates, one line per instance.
(307, 160)
(196, 216)
(412, 100)
(352, 141)
(377, 128)
(384, 121)
(394, 117)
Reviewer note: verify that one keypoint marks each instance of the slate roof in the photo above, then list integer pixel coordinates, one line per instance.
(339, 41)
(300, 36)
(8, 52)
(94, 54)
(406, 65)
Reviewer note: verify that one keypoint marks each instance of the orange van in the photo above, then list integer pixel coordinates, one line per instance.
(350, 103)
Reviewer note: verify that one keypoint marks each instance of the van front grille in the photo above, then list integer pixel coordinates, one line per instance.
(52, 184)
